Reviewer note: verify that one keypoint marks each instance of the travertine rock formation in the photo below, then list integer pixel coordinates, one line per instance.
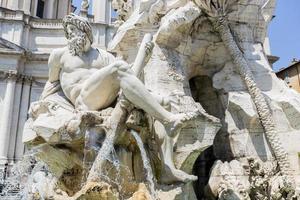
(228, 181)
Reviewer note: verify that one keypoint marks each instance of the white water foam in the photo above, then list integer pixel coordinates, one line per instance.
(146, 162)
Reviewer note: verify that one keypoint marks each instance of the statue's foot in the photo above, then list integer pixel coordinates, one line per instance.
(172, 175)
(180, 121)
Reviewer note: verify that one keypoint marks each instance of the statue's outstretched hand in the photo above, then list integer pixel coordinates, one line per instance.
(120, 65)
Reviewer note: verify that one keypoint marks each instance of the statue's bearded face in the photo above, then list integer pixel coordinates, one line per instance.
(77, 40)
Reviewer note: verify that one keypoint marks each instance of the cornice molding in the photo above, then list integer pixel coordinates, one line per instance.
(33, 56)
(46, 23)
(10, 45)
(38, 23)
(10, 48)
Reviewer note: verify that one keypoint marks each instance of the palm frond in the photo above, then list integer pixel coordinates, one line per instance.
(215, 8)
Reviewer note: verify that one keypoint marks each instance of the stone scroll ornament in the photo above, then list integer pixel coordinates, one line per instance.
(217, 11)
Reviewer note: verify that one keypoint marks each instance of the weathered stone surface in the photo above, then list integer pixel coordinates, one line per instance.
(95, 191)
(141, 194)
(228, 181)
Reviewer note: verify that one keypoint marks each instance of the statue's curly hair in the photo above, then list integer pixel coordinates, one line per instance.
(80, 22)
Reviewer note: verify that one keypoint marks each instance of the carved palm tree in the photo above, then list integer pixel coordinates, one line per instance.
(217, 11)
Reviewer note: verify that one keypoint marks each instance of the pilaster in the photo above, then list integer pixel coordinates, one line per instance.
(50, 7)
(13, 4)
(7, 114)
(99, 10)
(63, 8)
(15, 119)
(26, 7)
(33, 7)
(19, 148)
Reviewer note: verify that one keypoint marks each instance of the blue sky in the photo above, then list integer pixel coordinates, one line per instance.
(284, 31)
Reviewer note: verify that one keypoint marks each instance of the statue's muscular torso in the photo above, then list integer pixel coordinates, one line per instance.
(72, 71)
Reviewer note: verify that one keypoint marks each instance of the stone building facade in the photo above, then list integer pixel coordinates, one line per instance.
(291, 75)
(27, 36)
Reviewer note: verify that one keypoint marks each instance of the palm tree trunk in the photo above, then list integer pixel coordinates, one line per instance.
(263, 110)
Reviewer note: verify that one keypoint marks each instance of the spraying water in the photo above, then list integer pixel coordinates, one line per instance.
(103, 155)
(146, 163)
(18, 185)
(94, 168)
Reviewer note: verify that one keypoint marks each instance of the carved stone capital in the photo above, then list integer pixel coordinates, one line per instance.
(27, 79)
(11, 75)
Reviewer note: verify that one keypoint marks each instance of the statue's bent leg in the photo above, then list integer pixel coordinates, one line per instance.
(102, 87)
(136, 92)
(169, 172)
(99, 90)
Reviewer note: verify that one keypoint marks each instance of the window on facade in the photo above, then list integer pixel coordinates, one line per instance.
(40, 9)
(286, 77)
(113, 15)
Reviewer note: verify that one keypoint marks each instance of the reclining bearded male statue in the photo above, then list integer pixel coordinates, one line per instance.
(91, 80)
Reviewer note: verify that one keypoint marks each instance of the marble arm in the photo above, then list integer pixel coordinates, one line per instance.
(54, 64)
(50, 88)
(53, 85)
